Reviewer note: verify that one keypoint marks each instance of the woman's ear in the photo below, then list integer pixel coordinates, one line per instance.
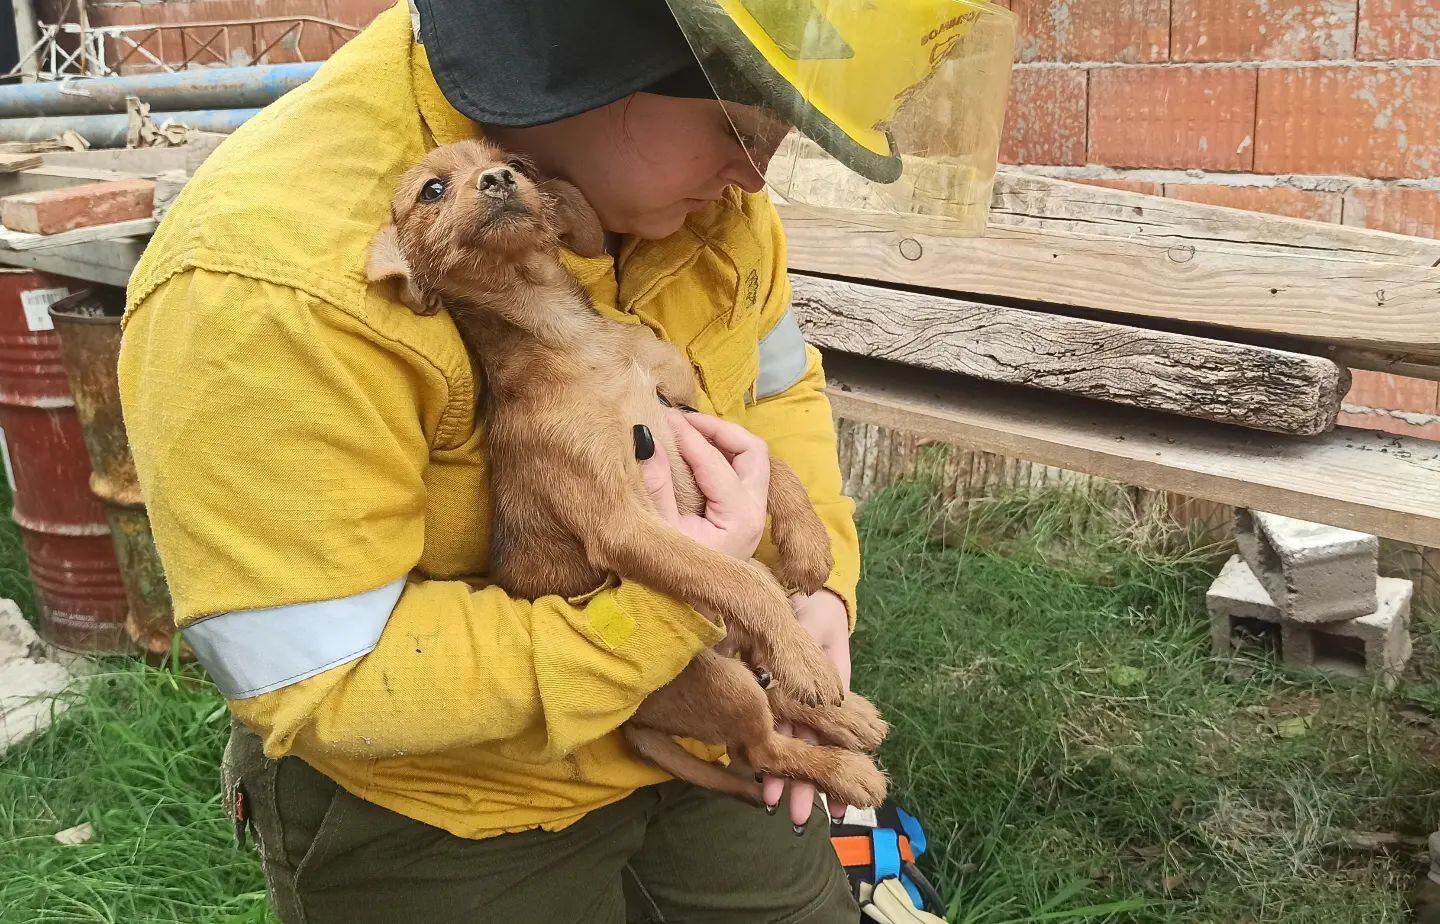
(386, 261)
(572, 218)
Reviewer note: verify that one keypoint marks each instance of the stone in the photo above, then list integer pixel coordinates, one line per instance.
(1312, 572)
(74, 837)
(32, 683)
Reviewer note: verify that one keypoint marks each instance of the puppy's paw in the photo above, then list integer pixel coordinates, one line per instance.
(855, 724)
(857, 781)
(802, 546)
(802, 673)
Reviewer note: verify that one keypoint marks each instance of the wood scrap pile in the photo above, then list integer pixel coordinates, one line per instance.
(1231, 316)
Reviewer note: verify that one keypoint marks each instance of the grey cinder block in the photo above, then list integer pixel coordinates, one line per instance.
(1312, 572)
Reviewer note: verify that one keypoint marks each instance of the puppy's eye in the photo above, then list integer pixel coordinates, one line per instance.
(432, 190)
(519, 166)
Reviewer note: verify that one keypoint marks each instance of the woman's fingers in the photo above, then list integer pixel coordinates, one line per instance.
(655, 468)
(714, 475)
(802, 794)
(749, 455)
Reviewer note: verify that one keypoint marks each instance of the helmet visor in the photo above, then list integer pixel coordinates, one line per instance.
(908, 94)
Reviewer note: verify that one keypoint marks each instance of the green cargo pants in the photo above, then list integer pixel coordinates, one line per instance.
(666, 854)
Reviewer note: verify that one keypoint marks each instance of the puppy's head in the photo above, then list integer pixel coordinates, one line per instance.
(473, 208)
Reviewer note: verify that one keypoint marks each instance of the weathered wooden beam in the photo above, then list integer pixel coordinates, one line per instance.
(46, 177)
(1023, 200)
(1232, 383)
(1359, 479)
(1380, 307)
(107, 262)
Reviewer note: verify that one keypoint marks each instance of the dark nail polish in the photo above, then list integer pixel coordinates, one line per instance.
(662, 400)
(644, 442)
(770, 809)
(838, 819)
(687, 408)
(798, 829)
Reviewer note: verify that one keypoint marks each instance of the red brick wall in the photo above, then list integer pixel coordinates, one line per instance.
(1327, 110)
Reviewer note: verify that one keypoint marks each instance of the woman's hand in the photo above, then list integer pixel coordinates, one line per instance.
(823, 616)
(732, 469)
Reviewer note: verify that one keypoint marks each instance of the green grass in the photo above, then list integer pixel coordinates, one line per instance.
(1062, 730)
(1058, 725)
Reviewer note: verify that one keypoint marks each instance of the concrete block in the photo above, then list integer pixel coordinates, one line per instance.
(83, 206)
(1377, 644)
(1242, 616)
(1434, 875)
(1313, 573)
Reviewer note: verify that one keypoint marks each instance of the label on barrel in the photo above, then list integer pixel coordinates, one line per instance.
(5, 456)
(36, 303)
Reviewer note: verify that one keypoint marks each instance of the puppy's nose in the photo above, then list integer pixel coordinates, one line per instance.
(497, 181)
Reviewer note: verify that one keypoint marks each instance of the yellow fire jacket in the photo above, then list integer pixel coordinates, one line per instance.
(316, 481)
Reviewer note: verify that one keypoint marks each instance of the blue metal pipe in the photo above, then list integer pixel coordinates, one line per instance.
(209, 88)
(108, 131)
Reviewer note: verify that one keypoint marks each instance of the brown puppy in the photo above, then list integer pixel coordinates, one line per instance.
(564, 388)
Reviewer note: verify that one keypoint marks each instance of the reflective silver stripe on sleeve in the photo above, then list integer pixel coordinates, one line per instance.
(782, 357)
(250, 652)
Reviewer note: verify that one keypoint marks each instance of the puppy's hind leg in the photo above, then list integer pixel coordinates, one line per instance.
(717, 700)
(634, 543)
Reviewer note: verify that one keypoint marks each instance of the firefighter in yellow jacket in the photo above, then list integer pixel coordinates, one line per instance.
(412, 744)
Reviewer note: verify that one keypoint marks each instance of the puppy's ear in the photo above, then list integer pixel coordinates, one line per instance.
(385, 261)
(572, 219)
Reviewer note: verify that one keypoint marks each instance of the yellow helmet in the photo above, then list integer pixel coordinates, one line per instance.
(909, 94)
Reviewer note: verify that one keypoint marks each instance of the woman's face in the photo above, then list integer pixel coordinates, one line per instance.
(647, 161)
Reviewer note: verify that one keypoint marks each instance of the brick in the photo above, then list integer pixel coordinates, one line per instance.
(1314, 573)
(1148, 187)
(83, 206)
(1173, 117)
(1262, 30)
(1393, 404)
(1398, 29)
(1393, 392)
(1045, 120)
(1359, 120)
(1242, 616)
(1124, 31)
(1397, 423)
(1276, 200)
(1394, 208)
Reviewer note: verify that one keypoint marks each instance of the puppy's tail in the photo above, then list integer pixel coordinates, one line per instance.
(662, 751)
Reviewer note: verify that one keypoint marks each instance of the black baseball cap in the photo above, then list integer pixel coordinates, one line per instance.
(528, 62)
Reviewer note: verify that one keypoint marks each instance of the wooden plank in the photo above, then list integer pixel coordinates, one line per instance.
(1384, 307)
(1026, 201)
(10, 163)
(134, 161)
(1358, 479)
(45, 177)
(106, 262)
(1228, 382)
(1023, 200)
(17, 240)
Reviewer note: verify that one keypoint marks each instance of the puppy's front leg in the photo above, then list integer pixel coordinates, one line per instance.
(802, 544)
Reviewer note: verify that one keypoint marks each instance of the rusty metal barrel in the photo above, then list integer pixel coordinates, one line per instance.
(88, 323)
(62, 525)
